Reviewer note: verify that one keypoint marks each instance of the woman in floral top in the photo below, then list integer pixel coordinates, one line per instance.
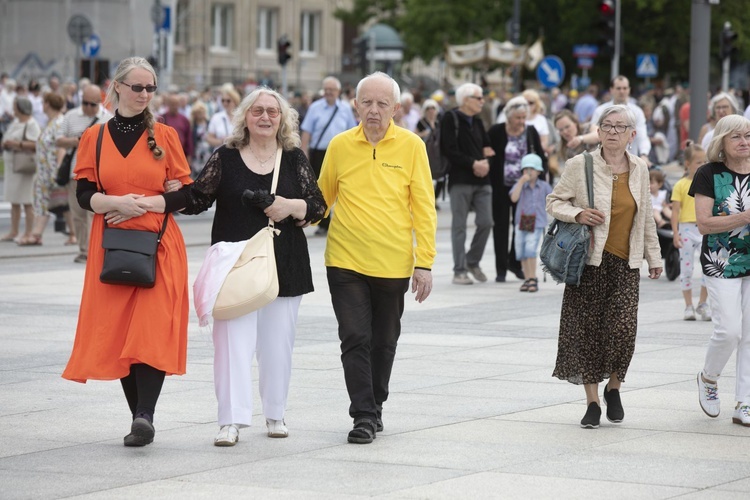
(722, 209)
(46, 167)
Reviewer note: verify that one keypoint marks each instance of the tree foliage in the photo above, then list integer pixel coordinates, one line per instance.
(661, 27)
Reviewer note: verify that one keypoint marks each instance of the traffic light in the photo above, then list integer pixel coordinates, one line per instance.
(607, 27)
(283, 50)
(728, 39)
(362, 47)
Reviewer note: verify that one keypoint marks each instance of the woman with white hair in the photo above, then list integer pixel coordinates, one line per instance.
(721, 105)
(264, 126)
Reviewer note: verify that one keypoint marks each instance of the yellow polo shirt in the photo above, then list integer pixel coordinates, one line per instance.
(384, 219)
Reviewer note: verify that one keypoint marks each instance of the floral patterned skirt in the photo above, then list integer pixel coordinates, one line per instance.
(598, 323)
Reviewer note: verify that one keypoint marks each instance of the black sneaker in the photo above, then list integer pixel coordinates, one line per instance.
(379, 424)
(591, 418)
(615, 412)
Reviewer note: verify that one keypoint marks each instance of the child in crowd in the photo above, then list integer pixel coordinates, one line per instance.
(530, 194)
(686, 235)
(662, 210)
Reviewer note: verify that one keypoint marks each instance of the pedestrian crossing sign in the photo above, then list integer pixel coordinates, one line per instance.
(646, 65)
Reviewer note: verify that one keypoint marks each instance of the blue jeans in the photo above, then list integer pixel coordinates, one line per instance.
(527, 243)
(463, 198)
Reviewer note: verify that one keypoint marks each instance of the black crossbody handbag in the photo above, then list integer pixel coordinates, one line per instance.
(129, 254)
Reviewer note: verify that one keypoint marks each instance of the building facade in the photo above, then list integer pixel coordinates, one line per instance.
(196, 43)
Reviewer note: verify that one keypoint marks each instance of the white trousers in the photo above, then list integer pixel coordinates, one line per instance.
(730, 313)
(269, 334)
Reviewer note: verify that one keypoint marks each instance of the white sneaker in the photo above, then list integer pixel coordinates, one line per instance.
(228, 436)
(708, 395)
(703, 312)
(689, 314)
(276, 428)
(742, 414)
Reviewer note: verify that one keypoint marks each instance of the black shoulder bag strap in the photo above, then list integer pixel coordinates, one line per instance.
(335, 109)
(589, 177)
(101, 186)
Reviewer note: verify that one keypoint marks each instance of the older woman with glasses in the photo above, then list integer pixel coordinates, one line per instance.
(220, 126)
(511, 140)
(721, 210)
(264, 126)
(599, 317)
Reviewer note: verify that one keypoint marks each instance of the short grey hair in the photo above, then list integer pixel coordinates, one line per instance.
(332, 79)
(724, 95)
(377, 75)
(516, 104)
(724, 127)
(618, 109)
(465, 90)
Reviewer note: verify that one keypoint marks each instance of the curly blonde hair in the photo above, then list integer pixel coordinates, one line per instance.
(123, 69)
(288, 134)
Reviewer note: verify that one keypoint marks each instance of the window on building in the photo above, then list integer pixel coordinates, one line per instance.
(310, 32)
(268, 20)
(222, 32)
(181, 23)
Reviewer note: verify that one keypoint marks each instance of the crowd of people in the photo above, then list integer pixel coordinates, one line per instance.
(514, 161)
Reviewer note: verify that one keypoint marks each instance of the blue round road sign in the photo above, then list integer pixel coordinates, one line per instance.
(551, 72)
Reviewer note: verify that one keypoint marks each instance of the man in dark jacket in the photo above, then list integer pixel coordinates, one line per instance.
(468, 181)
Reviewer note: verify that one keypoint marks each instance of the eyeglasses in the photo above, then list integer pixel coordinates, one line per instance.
(259, 110)
(619, 128)
(477, 97)
(92, 104)
(226, 101)
(140, 88)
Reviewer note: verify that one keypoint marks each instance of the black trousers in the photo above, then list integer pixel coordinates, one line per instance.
(142, 388)
(504, 217)
(369, 312)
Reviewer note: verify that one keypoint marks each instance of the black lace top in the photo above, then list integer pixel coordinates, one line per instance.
(225, 177)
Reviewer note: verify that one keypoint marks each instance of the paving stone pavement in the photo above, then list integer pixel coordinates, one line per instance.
(473, 410)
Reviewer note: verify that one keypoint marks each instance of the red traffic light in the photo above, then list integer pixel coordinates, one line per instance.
(607, 7)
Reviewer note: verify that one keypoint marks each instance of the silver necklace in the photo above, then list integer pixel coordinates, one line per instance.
(261, 162)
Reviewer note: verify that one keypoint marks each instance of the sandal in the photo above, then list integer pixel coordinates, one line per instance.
(364, 431)
(71, 241)
(525, 286)
(28, 241)
(533, 285)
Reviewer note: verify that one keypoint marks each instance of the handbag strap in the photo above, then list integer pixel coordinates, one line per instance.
(589, 177)
(335, 110)
(275, 181)
(99, 139)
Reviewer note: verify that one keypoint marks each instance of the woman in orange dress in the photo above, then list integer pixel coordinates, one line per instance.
(134, 334)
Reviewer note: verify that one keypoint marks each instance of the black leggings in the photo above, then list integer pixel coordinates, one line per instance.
(142, 388)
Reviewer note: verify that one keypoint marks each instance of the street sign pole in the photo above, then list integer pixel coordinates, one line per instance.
(618, 40)
(700, 36)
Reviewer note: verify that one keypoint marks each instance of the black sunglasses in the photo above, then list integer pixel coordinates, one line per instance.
(87, 103)
(140, 88)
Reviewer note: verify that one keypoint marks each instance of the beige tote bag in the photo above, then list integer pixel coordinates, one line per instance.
(252, 282)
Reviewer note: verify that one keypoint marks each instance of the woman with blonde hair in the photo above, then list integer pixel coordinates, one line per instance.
(131, 333)
(220, 125)
(238, 178)
(721, 195)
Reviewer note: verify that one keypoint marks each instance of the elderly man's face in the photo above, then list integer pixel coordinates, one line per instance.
(375, 105)
(620, 91)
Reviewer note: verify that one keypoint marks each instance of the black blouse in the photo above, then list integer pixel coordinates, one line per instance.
(225, 177)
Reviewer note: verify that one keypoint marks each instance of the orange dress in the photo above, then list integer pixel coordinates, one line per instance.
(122, 325)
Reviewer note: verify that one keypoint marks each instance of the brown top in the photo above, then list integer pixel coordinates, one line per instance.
(623, 213)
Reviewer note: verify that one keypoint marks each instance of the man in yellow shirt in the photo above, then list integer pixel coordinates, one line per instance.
(378, 176)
